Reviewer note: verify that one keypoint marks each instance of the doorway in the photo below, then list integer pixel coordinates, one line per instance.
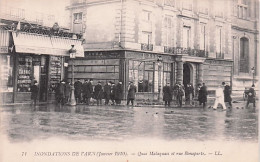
(187, 75)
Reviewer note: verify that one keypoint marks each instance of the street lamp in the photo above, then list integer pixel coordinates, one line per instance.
(72, 53)
(159, 63)
(253, 72)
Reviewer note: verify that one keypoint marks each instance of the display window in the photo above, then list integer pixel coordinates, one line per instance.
(24, 78)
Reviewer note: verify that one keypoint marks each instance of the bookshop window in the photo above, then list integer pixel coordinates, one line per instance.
(55, 72)
(24, 73)
(6, 64)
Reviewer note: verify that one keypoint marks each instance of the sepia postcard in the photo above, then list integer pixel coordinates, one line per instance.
(129, 80)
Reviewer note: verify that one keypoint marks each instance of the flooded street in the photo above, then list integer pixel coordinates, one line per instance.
(24, 123)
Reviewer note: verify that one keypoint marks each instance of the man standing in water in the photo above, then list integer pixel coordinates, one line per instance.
(219, 98)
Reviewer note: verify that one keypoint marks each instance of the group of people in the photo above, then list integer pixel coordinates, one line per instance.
(223, 94)
(179, 91)
(86, 92)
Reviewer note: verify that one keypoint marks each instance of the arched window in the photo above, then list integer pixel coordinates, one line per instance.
(244, 53)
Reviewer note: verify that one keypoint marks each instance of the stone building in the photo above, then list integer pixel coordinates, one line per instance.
(32, 48)
(194, 40)
(245, 43)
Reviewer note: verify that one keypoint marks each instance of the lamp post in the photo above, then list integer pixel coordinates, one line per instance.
(72, 52)
(253, 72)
(159, 62)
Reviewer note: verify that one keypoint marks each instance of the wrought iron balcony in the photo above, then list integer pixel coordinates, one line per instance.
(146, 47)
(189, 51)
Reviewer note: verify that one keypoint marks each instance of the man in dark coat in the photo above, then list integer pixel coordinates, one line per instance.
(202, 97)
(227, 93)
(89, 91)
(180, 94)
(167, 95)
(85, 91)
(98, 93)
(107, 92)
(34, 92)
(67, 92)
(119, 93)
(251, 96)
(78, 90)
(113, 91)
(131, 93)
(61, 92)
(189, 93)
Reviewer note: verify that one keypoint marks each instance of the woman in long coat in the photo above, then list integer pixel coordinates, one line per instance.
(131, 93)
(167, 94)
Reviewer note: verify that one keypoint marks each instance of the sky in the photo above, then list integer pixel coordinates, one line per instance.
(56, 7)
(47, 7)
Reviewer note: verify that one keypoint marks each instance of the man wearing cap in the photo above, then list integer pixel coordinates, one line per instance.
(131, 93)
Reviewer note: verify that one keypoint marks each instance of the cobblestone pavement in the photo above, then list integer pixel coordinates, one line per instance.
(25, 123)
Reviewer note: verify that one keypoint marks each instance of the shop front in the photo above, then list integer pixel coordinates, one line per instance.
(34, 57)
(148, 72)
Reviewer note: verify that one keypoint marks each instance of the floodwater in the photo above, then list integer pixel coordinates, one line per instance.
(24, 123)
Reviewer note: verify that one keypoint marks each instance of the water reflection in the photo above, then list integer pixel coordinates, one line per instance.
(118, 123)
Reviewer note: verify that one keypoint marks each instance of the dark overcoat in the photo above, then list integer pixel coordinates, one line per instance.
(119, 92)
(203, 94)
(113, 91)
(167, 93)
(78, 88)
(67, 89)
(227, 93)
(34, 91)
(107, 91)
(98, 92)
(131, 92)
(251, 95)
(89, 90)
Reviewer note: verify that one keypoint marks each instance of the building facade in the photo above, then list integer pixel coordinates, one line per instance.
(245, 42)
(31, 51)
(125, 38)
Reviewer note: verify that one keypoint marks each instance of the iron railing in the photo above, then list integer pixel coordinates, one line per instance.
(189, 51)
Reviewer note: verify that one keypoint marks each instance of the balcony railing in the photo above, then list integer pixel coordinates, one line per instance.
(146, 47)
(189, 51)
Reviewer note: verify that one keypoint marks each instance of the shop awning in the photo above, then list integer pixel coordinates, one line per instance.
(43, 44)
